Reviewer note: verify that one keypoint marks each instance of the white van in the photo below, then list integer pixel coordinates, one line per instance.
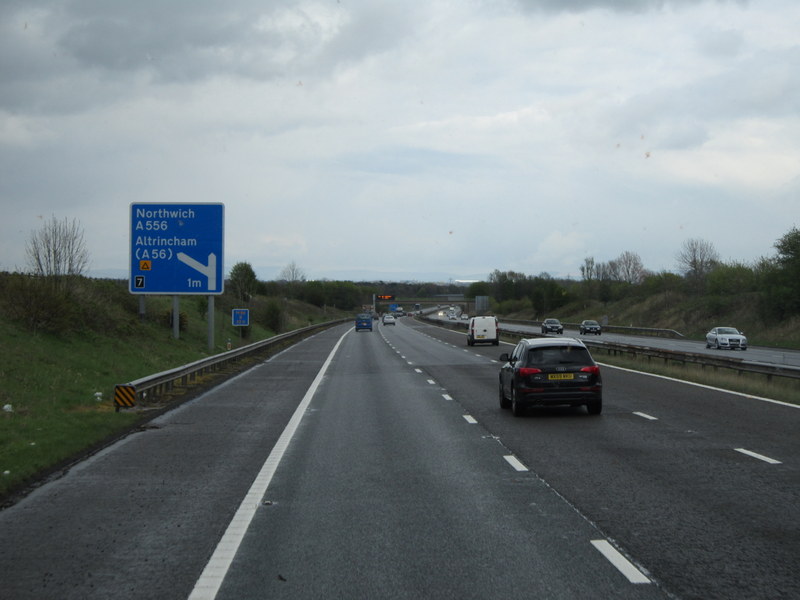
(483, 330)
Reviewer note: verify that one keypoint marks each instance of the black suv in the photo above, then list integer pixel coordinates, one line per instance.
(552, 326)
(550, 372)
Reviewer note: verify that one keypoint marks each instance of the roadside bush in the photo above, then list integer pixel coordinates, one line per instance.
(34, 304)
(271, 316)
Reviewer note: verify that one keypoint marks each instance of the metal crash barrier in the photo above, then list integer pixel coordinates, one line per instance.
(150, 388)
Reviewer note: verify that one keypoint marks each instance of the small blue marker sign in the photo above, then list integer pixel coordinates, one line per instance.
(240, 317)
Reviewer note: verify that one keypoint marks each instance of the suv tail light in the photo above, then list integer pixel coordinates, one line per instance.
(594, 370)
(525, 371)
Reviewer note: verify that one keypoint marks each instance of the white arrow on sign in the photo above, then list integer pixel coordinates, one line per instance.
(209, 270)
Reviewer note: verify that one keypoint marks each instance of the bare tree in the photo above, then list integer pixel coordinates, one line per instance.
(697, 258)
(588, 268)
(630, 267)
(292, 273)
(608, 271)
(58, 250)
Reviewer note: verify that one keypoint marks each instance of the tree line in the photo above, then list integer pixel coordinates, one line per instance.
(53, 294)
(773, 283)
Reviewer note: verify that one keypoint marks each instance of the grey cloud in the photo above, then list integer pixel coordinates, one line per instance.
(614, 5)
(94, 47)
(720, 44)
(196, 40)
(761, 86)
(406, 161)
(97, 46)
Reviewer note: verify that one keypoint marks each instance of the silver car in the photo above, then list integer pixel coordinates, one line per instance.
(726, 337)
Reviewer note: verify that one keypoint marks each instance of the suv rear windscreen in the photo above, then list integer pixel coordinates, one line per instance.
(558, 356)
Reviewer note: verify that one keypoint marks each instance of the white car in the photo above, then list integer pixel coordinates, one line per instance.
(389, 320)
(726, 337)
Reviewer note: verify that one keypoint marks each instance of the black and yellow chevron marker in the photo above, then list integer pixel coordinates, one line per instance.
(124, 396)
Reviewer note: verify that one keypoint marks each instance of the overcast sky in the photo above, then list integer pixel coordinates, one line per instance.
(419, 140)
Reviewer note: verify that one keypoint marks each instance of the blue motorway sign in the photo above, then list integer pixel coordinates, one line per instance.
(176, 249)
(240, 317)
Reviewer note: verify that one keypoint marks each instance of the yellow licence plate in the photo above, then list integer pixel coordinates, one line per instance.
(555, 376)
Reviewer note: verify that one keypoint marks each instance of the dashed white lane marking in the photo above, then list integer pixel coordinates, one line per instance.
(766, 459)
(431, 381)
(515, 462)
(447, 396)
(470, 419)
(418, 370)
(646, 416)
(625, 567)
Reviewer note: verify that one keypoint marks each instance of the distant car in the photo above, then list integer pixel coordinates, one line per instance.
(464, 317)
(589, 326)
(726, 337)
(550, 372)
(452, 317)
(389, 320)
(364, 321)
(552, 326)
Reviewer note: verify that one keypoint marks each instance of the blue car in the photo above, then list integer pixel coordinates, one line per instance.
(364, 321)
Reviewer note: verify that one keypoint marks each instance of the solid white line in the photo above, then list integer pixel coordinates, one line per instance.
(766, 459)
(515, 462)
(646, 416)
(625, 567)
(470, 419)
(214, 573)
